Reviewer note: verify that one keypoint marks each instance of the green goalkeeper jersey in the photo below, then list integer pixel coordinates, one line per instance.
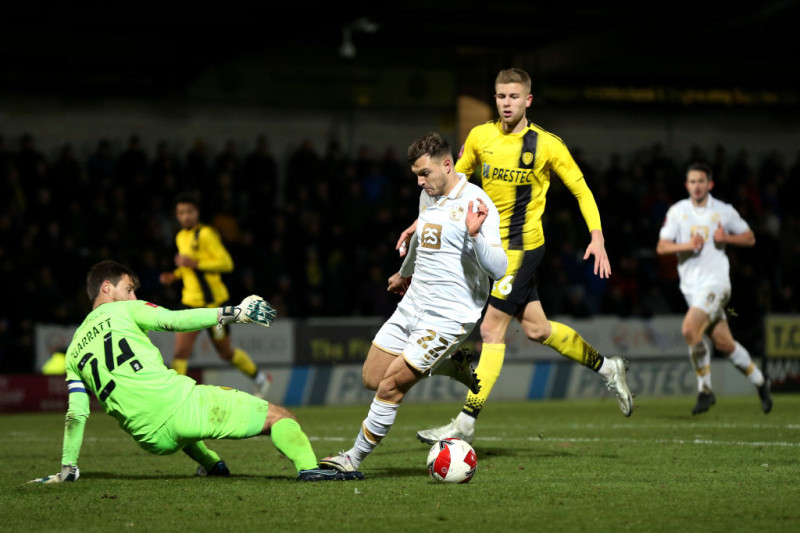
(112, 356)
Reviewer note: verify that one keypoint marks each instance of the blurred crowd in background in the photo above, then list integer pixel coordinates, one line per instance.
(315, 233)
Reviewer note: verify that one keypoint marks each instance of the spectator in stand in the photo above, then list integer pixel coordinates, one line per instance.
(304, 170)
(133, 161)
(227, 162)
(197, 169)
(31, 165)
(100, 166)
(260, 176)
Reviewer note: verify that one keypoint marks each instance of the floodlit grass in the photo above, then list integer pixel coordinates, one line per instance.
(542, 466)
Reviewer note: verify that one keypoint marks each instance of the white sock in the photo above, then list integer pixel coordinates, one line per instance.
(465, 423)
(606, 368)
(740, 358)
(374, 428)
(700, 355)
(260, 378)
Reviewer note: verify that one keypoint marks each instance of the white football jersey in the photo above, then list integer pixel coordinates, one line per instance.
(448, 278)
(709, 266)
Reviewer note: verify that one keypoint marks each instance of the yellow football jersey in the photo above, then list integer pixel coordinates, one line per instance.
(515, 170)
(203, 286)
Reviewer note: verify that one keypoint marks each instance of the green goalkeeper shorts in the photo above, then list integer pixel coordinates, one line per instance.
(209, 412)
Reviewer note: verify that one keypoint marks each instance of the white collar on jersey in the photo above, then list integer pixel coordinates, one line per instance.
(457, 189)
(709, 203)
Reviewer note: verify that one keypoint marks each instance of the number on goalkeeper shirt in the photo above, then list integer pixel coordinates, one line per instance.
(111, 363)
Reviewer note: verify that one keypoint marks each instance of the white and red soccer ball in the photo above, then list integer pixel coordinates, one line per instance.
(452, 461)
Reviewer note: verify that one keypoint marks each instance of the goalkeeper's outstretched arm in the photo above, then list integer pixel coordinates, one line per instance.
(77, 414)
(253, 309)
(74, 424)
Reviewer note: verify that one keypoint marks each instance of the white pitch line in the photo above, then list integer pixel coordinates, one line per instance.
(660, 441)
(547, 427)
(633, 425)
(600, 439)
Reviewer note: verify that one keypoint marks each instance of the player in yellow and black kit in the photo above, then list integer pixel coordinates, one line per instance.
(516, 160)
(201, 260)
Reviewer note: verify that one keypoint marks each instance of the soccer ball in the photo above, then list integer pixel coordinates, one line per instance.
(452, 461)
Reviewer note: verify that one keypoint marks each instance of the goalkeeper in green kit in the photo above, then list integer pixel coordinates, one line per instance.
(112, 357)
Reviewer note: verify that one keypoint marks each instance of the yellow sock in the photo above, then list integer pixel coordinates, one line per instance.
(198, 451)
(288, 437)
(488, 371)
(243, 362)
(181, 366)
(571, 345)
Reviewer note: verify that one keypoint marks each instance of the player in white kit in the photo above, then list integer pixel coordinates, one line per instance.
(698, 229)
(455, 250)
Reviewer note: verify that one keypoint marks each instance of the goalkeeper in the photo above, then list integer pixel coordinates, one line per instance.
(112, 357)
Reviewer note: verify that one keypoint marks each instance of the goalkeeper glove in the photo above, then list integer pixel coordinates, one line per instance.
(253, 309)
(68, 473)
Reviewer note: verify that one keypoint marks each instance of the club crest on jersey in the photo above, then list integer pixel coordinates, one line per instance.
(431, 236)
(715, 218)
(527, 158)
(457, 213)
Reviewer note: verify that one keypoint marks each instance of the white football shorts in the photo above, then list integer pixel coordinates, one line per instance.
(710, 299)
(421, 337)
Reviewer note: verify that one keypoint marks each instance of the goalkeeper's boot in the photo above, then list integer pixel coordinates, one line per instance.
(766, 397)
(704, 402)
(220, 469)
(434, 435)
(328, 474)
(616, 383)
(457, 366)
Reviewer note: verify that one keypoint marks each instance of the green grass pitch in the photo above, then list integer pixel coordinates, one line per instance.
(542, 466)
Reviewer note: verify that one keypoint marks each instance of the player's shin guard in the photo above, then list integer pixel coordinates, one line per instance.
(700, 355)
(181, 366)
(290, 440)
(202, 455)
(374, 428)
(571, 345)
(488, 370)
(243, 362)
(740, 358)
